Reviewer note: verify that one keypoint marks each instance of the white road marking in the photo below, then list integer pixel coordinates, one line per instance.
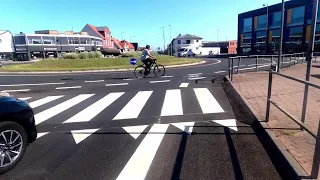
(197, 74)
(94, 109)
(139, 163)
(220, 72)
(129, 79)
(41, 134)
(43, 101)
(207, 102)
(40, 84)
(135, 131)
(184, 126)
(25, 98)
(167, 76)
(197, 78)
(94, 81)
(46, 114)
(184, 85)
(80, 135)
(120, 84)
(152, 82)
(71, 87)
(172, 104)
(16, 90)
(134, 106)
(230, 123)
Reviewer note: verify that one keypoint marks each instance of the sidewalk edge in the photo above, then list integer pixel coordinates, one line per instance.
(267, 129)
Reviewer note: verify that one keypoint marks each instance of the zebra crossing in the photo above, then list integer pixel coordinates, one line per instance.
(84, 108)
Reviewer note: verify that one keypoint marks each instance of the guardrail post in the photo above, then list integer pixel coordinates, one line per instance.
(316, 156)
(269, 96)
(257, 63)
(290, 60)
(231, 69)
(238, 65)
(271, 60)
(281, 65)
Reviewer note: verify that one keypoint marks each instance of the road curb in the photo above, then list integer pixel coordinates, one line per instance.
(95, 71)
(274, 147)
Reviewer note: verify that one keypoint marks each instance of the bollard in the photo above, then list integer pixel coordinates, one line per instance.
(257, 63)
(269, 96)
(231, 69)
(238, 65)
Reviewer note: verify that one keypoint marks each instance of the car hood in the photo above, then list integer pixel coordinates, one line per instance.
(12, 105)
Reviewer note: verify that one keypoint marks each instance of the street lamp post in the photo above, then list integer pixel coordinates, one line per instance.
(170, 42)
(164, 41)
(266, 5)
(131, 37)
(281, 36)
(121, 36)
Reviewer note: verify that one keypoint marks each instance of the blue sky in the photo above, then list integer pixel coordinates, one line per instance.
(142, 19)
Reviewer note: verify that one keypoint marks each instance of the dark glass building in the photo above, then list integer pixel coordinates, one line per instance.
(260, 33)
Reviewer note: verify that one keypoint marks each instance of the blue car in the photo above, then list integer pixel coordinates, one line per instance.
(17, 130)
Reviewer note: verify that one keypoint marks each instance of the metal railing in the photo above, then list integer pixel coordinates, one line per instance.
(301, 122)
(292, 59)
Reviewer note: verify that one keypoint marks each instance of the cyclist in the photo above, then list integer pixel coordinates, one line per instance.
(146, 58)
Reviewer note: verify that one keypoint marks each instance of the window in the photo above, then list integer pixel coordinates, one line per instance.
(294, 35)
(188, 41)
(276, 33)
(70, 39)
(261, 34)
(179, 41)
(84, 41)
(276, 19)
(197, 40)
(62, 40)
(309, 13)
(247, 36)
(297, 14)
(247, 24)
(19, 40)
(34, 40)
(76, 40)
(49, 40)
(262, 21)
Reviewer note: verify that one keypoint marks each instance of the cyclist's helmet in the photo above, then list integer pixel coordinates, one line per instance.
(148, 47)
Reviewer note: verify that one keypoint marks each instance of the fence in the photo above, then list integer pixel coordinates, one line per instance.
(316, 155)
(287, 60)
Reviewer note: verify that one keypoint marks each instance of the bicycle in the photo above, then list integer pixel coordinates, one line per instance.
(141, 70)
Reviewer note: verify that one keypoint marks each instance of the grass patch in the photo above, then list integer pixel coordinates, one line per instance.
(90, 64)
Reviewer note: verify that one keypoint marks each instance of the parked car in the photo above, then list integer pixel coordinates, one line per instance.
(17, 130)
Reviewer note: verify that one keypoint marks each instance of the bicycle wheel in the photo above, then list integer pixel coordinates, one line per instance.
(159, 70)
(139, 71)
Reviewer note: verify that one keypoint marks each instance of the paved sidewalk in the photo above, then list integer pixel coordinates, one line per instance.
(289, 95)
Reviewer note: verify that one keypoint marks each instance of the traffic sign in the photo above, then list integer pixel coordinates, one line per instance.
(133, 61)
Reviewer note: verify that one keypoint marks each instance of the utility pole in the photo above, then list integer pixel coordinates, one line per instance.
(281, 36)
(131, 37)
(267, 24)
(217, 37)
(121, 36)
(170, 42)
(164, 41)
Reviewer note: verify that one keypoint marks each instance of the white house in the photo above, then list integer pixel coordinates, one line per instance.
(6, 44)
(187, 40)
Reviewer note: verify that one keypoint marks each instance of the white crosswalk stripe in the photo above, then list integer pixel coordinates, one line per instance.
(93, 110)
(172, 104)
(207, 102)
(45, 115)
(134, 107)
(43, 101)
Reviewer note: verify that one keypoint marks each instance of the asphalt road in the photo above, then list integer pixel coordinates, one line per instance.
(112, 126)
